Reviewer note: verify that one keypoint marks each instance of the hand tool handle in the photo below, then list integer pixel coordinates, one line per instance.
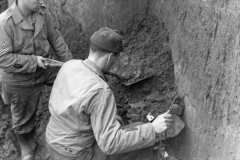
(53, 65)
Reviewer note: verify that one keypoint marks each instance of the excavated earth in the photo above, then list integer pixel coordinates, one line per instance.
(171, 46)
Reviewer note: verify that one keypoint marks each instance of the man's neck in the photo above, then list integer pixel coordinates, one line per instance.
(98, 62)
(22, 9)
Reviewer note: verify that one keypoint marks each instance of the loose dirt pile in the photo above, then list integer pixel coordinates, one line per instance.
(3, 5)
(147, 52)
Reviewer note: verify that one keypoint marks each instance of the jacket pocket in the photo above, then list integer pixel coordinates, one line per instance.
(42, 47)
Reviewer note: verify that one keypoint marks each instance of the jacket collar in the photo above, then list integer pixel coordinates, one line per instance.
(17, 16)
(39, 22)
(94, 68)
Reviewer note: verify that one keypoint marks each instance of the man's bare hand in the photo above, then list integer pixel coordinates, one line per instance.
(162, 122)
(40, 62)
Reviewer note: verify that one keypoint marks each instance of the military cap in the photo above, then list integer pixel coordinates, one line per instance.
(108, 40)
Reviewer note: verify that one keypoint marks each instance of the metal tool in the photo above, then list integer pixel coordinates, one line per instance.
(136, 80)
(52, 63)
(162, 145)
(131, 81)
(115, 75)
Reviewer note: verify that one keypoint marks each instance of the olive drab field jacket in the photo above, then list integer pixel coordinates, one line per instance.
(21, 42)
(83, 112)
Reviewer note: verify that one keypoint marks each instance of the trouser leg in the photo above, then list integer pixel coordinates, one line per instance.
(24, 103)
(142, 154)
(25, 146)
(47, 76)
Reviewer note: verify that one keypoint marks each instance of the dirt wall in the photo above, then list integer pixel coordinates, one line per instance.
(79, 19)
(3, 5)
(202, 38)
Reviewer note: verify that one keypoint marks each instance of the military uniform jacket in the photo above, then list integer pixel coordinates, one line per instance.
(83, 112)
(21, 42)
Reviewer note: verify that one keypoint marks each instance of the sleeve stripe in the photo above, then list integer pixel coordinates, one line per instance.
(4, 48)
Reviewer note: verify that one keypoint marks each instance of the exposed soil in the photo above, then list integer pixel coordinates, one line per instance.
(147, 52)
(3, 5)
(204, 41)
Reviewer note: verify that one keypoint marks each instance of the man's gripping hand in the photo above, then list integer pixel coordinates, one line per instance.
(162, 122)
(40, 62)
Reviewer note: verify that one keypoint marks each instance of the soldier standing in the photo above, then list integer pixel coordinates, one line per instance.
(27, 36)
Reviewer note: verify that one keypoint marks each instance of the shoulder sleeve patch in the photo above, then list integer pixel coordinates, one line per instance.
(4, 48)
